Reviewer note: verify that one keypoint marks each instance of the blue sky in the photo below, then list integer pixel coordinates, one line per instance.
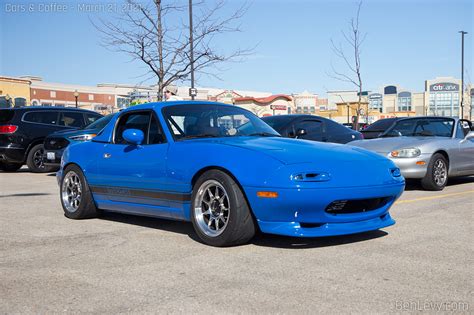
(407, 42)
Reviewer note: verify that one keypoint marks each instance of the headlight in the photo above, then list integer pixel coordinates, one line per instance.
(85, 137)
(406, 153)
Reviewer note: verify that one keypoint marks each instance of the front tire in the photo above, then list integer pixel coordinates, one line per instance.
(76, 197)
(35, 160)
(436, 176)
(219, 211)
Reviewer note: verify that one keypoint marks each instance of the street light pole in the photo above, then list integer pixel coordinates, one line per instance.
(462, 72)
(8, 98)
(192, 91)
(76, 95)
(348, 107)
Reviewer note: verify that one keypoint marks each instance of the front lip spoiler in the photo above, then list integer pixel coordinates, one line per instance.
(294, 229)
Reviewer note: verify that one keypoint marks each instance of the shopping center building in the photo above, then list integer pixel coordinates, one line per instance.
(441, 97)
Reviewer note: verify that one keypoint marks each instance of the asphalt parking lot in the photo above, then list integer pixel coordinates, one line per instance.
(127, 264)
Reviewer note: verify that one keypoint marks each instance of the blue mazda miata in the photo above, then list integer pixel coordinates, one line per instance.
(222, 168)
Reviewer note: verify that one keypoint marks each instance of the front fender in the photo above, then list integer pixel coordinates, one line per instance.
(250, 168)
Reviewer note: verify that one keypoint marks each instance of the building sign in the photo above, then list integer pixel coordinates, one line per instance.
(278, 107)
(444, 87)
(375, 96)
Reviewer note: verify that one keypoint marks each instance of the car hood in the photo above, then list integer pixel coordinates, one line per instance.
(385, 145)
(293, 151)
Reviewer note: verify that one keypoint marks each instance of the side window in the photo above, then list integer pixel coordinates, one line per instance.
(90, 118)
(49, 117)
(155, 135)
(134, 120)
(313, 128)
(71, 119)
(463, 129)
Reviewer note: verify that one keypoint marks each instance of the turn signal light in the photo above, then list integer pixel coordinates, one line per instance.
(420, 163)
(8, 129)
(267, 194)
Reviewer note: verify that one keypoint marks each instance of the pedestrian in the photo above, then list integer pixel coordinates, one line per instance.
(170, 94)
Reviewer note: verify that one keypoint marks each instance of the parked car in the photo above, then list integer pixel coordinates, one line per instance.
(22, 132)
(360, 127)
(226, 171)
(427, 148)
(55, 143)
(311, 127)
(378, 128)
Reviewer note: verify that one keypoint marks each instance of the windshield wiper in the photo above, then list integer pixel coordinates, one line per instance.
(204, 135)
(263, 134)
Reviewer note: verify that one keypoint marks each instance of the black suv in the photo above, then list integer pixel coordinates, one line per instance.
(311, 127)
(22, 132)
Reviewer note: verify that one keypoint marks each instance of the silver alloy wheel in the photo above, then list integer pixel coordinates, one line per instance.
(211, 208)
(71, 191)
(440, 172)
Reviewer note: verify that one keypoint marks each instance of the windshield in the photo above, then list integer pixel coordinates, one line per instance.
(381, 124)
(207, 121)
(100, 123)
(428, 127)
(277, 122)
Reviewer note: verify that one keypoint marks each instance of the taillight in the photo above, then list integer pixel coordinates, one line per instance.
(8, 129)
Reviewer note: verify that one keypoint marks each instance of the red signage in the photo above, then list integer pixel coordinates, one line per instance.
(278, 107)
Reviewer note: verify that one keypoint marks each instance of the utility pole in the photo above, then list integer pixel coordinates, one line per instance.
(192, 90)
(462, 72)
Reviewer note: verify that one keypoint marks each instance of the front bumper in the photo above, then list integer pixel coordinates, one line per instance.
(410, 169)
(53, 157)
(302, 212)
(11, 154)
(327, 229)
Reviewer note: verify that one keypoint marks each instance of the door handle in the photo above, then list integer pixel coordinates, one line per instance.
(107, 155)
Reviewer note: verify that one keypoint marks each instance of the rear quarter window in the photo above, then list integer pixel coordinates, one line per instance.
(48, 118)
(90, 118)
(6, 115)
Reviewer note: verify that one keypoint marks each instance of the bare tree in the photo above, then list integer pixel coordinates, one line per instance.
(156, 33)
(353, 38)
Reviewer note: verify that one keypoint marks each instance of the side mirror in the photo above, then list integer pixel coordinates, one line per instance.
(300, 132)
(133, 136)
(469, 136)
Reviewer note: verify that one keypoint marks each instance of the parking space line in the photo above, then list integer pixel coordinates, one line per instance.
(435, 197)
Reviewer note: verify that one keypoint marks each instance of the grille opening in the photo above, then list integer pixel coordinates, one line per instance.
(311, 225)
(356, 206)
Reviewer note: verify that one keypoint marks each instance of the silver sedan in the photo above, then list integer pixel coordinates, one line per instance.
(427, 148)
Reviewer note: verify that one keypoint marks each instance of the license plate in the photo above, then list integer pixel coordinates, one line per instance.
(50, 155)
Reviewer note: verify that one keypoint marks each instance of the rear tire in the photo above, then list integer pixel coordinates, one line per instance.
(75, 195)
(436, 176)
(35, 160)
(219, 211)
(10, 167)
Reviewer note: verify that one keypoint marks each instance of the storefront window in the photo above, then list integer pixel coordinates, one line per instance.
(375, 102)
(404, 101)
(444, 99)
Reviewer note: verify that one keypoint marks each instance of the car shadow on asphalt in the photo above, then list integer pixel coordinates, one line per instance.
(181, 227)
(277, 241)
(413, 184)
(261, 239)
(25, 195)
